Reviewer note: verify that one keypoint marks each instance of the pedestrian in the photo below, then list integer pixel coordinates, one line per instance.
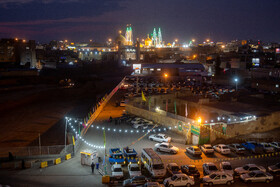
(92, 167)
(97, 165)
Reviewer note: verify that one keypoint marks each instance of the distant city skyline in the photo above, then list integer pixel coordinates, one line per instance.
(99, 20)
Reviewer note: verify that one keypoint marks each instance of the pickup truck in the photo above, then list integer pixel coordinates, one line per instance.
(116, 156)
(130, 155)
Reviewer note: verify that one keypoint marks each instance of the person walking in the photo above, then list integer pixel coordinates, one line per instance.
(97, 166)
(92, 167)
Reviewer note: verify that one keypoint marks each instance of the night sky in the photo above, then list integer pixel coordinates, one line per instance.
(81, 20)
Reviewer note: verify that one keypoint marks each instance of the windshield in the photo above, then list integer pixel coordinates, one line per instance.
(238, 147)
(192, 168)
(227, 167)
(208, 147)
(225, 147)
(246, 167)
(266, 145)
(165, 136)
(174, 177)
(196, 149)
(175, 168)
(252, 174)
(213, 168)
(118, 170)
(213, 176)
(170, 146)
(158, 166)
(135, 169)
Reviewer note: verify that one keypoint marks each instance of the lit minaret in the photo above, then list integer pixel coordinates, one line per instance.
(159, 37)
(128, 35)
(154, 38)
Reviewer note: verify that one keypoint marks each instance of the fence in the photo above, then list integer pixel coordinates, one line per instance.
(36, 150)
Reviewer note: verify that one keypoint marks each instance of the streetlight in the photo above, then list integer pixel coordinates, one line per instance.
(176, 40)
(199, 120)
(236, 81)
(193, 40)
(165, 75)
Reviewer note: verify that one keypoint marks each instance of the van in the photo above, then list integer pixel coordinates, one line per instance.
(153, 163)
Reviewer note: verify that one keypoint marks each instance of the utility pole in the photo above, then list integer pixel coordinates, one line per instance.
(40, 143)
(65, 134)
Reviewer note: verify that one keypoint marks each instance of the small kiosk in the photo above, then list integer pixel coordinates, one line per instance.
(89, 156)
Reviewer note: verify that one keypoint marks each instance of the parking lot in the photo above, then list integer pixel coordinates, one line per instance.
(123, 135)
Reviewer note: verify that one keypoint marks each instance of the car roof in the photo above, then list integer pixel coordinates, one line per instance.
(258, 171)
(160, 134)
(221, 144)
(210, 163)
(225, 163)
(180, 174)
(194, 146)
(164, 143)
(219, 172)
(133, 164)
(172, 164)
(117, 166)
(251, 165)
(207, 145)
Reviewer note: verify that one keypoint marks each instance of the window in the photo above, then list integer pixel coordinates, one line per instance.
(218, 177)
(277, 85)
(253, 169)
(224, 177)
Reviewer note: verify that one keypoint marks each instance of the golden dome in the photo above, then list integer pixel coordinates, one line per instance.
(148, 41)
(120, 38)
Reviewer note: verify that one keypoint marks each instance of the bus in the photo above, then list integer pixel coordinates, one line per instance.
(153, 163)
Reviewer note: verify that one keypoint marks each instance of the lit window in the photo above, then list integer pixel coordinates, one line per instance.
(152, 69)
(257, 84)
(158, 69)
(277, 85)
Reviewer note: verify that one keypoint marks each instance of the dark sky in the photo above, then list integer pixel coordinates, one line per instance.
(81, 20)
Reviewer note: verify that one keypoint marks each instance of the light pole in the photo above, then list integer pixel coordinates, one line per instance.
(236, 81)
(65, 132)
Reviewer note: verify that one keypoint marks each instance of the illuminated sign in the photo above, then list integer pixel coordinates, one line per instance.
(256, 62)
(277, 50)
(136, 66)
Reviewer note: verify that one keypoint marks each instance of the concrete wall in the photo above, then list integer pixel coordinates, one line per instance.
(161, 118)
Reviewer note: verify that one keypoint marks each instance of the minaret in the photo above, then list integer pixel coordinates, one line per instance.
(154, 39)
(128, 35)
(159, 37)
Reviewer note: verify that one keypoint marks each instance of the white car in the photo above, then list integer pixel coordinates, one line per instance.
(209, 168)
(276, 145)
(257, 176)
(133, 170)
(267, 147)
(179, 180)
(139, 125)
(160, 138)
(136, 120)
(222, 148)
(247, 168)
(217, 178)
(237, 148)
(207, 149)
(117, 171)
(226, 167)
(194, 150)
(166, 147)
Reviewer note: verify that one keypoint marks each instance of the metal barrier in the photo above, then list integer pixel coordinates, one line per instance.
(36, 150)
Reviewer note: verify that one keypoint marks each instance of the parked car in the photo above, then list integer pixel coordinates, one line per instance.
(226, 167)
(217, 178)
(257, 176)
(117, 171)
(207, 149)
(275, 169)
(160, 138)
(139, 125)
(133, 170)
(135, 181)
(173, 168)
(253, 147)
(276, 145)
(267, 148)
(209, 168)
(222, 148)
(247, 168)
(190, 170)
(153, 184)
(179, 180)
(237, 148)
(166, 147)
(194, 150)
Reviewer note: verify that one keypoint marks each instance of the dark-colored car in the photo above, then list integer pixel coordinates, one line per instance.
(190, 170)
